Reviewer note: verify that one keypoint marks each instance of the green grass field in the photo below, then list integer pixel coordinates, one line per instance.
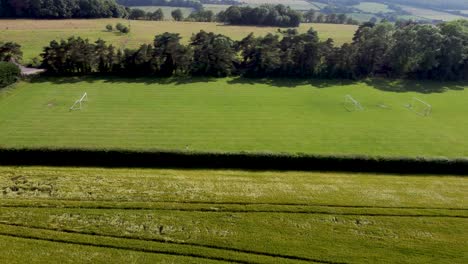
(180, 216)
(34, 35)
(231, 115)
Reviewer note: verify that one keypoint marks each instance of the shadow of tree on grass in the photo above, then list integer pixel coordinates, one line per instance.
(129, 80)
(387, 85)
(292, 82)
(402, 85)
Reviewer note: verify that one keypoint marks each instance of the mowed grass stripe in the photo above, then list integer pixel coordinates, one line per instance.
(233, 115)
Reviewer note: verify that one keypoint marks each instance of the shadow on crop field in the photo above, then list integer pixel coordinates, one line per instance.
(426, 87)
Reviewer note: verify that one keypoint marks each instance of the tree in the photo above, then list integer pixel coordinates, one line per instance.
(10, 51)
(109, 27)
(61, 8)
(136, 13)
(119, 26)
(310, 16)
(261, 56)
(177, 15)
(9, 73)
(214, 55)
(170, 56)
(157, 15)
(125, 30)
(372, 45)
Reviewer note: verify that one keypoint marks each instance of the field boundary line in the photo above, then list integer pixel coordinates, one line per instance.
(233, 203)
(61, 205)
(115, 158)
(287, 257)
(241, 211)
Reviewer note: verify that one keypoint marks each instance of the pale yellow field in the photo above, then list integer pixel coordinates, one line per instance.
(430, 14)
(33, 35)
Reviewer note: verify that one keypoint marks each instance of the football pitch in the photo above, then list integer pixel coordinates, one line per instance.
(234, 115)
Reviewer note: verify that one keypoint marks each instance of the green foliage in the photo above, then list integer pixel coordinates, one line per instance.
(157, 15)
(313, 16)
(245, 161)
(214, 55)
(9, 73)
(109, 27)
(202, 16)
(122, 28)
(177, 15)
(62, 9)
(136, 14)
(383, 49)
(266, 15)
(10, 51)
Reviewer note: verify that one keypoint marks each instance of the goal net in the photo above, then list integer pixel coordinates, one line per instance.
(419, 107)
(79, 103)
(352, 104)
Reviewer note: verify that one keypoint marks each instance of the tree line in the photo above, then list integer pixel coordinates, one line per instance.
(177, 15)
(264, 15)
(197, 5)
(407, 51)
(313, 16)
(61, 9)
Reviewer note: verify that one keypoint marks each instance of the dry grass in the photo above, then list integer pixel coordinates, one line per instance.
(431, 14)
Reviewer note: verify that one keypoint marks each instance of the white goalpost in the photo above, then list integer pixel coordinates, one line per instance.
(419, 107)
(78, 103)
(352, 104)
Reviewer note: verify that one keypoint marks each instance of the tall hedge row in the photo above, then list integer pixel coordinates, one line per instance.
(245, 161)
(9, 73)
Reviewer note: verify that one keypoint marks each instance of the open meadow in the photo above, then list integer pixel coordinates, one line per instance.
(202, 216)
(34, 35)
(236, 114)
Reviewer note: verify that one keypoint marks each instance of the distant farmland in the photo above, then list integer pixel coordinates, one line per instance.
(33, 35)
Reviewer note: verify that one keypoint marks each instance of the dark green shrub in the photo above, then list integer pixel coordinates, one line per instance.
(9, 73)
(245, 161)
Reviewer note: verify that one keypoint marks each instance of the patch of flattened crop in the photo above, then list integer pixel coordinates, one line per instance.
(22, 186)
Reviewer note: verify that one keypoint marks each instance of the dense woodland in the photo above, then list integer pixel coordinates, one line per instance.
(401, 51)
(264, 15)
(405, 50)
(197, 5)
(61, 9)
(313, 16)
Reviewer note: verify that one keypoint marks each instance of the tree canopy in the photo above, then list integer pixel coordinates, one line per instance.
(61, 9)
(401, 51)
(265, 15)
